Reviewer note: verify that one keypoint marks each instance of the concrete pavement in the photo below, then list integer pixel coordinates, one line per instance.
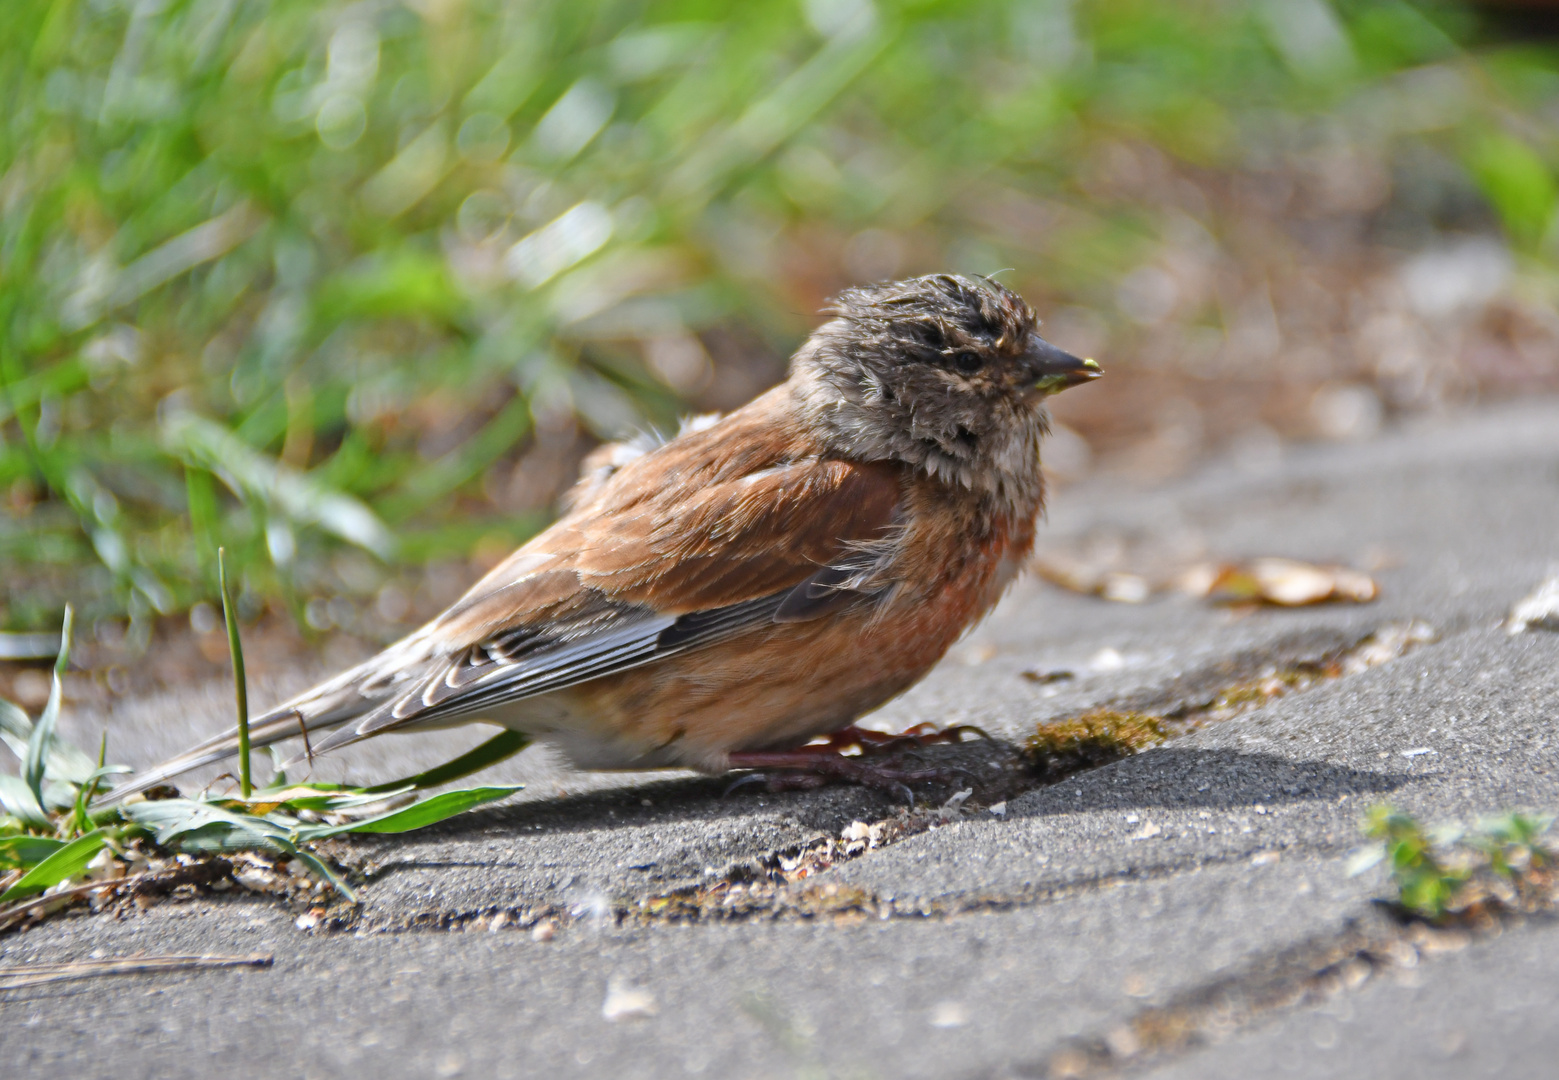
(1201, 882)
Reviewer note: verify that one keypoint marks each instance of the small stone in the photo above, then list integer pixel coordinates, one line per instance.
(1123, 1042)
(1107, 660)
(256, 879)
(625, 1001)
(1355, 973)
(545, 930)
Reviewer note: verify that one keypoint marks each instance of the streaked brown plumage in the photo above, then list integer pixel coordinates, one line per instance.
(760, 579)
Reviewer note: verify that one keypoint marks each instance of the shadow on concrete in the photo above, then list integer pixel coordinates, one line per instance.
(1164, 777)
(660, 804)
(1212, 779)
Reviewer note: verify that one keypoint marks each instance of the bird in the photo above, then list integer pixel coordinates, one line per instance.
(719, 599)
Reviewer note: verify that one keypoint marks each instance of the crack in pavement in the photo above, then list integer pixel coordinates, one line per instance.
(1308, 973)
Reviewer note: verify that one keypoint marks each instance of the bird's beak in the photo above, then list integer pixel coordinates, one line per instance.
(1055, 370)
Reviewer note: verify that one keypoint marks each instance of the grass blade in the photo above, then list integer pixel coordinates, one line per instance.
(81, 816)
(503, 745)
(17, 799)
(176, 822)
(320, 867)
(88, 789)
(415, 816)
(15, 728)
(65, 761)
(15, 977)
(66, 862)
(26, 851)
(240, 684)
(41, 742)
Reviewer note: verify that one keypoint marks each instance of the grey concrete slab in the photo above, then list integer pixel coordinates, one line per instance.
(1122, 888)
(1486, 1011)
(852, 998)
(578, 853)
(1478, 713)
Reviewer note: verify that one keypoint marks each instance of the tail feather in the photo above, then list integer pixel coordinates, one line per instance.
(273, 727)
(322, 708)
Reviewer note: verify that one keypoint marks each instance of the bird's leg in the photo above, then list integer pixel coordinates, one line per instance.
(811, 768)
(814, 766)
(852, 755)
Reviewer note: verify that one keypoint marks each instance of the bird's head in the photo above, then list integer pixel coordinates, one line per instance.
(947, 373)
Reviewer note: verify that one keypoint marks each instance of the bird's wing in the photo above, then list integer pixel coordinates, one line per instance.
(679, 549)
(660, 567)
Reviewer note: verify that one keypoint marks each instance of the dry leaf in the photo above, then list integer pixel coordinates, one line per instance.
(1125, 588)
(1071, 574)
(625, 1001)
(1283, 582)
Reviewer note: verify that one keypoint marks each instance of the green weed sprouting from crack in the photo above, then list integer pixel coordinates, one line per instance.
(60, 842)
(1452, 885)
(1449, 873)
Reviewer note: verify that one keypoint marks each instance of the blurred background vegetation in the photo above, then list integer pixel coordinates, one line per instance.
(349, 288)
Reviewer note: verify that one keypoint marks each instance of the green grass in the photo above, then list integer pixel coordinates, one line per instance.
(1452, 871)
(52, 827)
(305, 279)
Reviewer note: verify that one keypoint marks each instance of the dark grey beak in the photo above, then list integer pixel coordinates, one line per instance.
(1055, 370)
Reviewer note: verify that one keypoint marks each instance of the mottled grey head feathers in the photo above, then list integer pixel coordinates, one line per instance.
(937, 372)
(931, 318)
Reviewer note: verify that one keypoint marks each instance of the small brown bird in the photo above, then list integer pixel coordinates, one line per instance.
(720, 599)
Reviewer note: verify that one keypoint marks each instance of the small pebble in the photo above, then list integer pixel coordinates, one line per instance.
(624, 1001)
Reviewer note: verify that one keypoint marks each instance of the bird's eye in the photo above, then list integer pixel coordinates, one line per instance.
(968, 362)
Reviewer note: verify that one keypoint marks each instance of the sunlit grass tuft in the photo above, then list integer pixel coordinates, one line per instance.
(53, 828)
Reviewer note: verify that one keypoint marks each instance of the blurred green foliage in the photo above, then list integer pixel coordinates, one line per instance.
(293, 276)
(1504, 860)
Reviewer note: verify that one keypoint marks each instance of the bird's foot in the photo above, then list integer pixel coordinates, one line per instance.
(814, 766)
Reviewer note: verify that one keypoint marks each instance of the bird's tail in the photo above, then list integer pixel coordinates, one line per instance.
(320, 709)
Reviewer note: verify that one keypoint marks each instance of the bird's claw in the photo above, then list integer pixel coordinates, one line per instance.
(744, 780)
